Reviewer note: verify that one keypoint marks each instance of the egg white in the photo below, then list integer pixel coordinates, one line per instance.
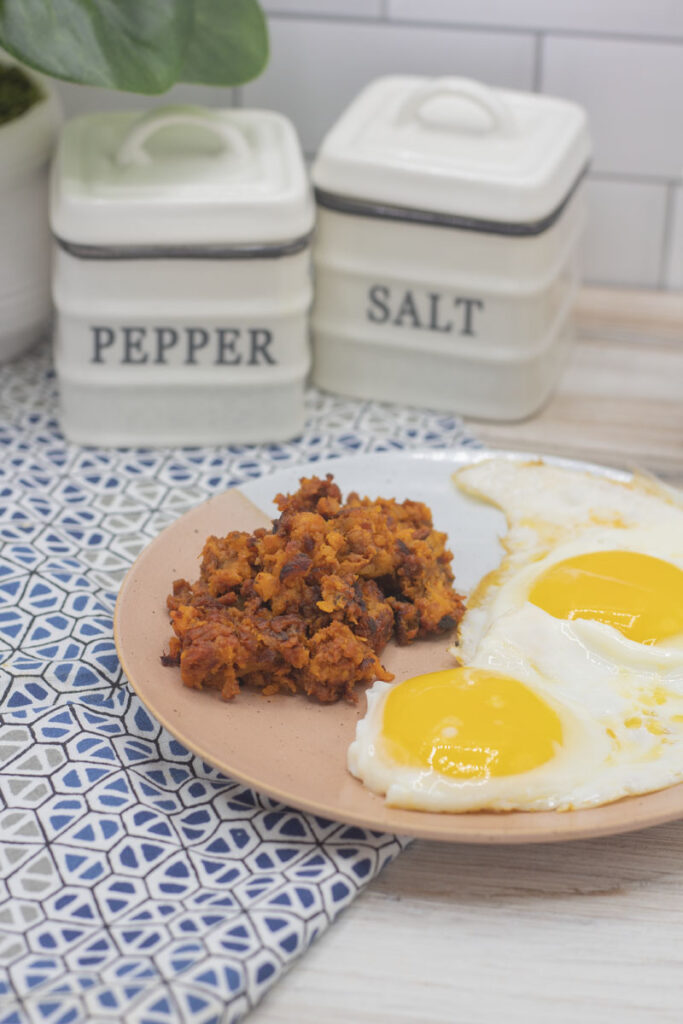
(583, 749)
(508, 587)
(620, 702)
(631, 692)
(622, 724)
(555, 513)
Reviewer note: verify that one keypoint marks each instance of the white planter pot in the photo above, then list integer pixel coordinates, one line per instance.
(25, 245)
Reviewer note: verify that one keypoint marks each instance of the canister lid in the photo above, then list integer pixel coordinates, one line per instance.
(180, 176)
(456, 147)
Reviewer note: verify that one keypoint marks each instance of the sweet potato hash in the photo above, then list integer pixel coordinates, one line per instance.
(310, 604)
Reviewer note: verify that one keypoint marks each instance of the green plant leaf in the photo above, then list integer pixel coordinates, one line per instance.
(133, 45)
(229, 43)
(18, 93)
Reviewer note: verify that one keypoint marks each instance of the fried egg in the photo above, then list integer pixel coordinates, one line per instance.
(568, 690)
(467, 738)
(580, 546)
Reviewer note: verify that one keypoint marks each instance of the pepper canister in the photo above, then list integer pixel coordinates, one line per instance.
(26, 144)
(448, 222)
(182, 279)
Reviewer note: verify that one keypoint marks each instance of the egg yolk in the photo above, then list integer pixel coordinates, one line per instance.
(469, 723)
(639, 595)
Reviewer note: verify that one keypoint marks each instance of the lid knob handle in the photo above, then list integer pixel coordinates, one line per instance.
(133, 148)
(461, 88)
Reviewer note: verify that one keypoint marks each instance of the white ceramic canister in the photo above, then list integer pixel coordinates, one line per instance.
(182, 279)
(449, 216)
(26, 145)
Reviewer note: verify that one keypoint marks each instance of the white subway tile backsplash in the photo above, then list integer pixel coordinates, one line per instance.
(625, 233)
(621, 59)
(317, 68)
(674, 263)
(633, 94)
(325, 8)
(86, 99)
(656, 17)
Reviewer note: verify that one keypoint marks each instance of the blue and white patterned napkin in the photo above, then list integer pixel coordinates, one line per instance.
(137, 883)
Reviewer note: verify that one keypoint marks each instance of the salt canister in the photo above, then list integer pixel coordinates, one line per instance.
(182, 279)
(449, 217)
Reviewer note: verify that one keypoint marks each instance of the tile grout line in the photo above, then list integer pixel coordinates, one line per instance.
(667, 237)
(320, 18)
(529, 30)
(627, 178)
(539, 47)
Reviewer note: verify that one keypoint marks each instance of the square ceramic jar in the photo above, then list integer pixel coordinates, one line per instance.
(182, 279)
(449, 217)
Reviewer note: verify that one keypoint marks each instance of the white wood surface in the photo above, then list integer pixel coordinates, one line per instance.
(586, 932)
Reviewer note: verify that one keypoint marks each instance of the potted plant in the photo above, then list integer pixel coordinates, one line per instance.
(30, 115)
(129, 45)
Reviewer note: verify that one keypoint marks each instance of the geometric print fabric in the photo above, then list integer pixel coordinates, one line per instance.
(137, 883)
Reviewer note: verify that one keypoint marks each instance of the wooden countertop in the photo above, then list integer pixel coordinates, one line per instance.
(587, 931)
(620, 399)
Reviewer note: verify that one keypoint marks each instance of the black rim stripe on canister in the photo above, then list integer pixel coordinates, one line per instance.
(261, 250)
(384, 211)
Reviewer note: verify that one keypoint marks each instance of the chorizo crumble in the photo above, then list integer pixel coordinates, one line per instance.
(310, 604)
